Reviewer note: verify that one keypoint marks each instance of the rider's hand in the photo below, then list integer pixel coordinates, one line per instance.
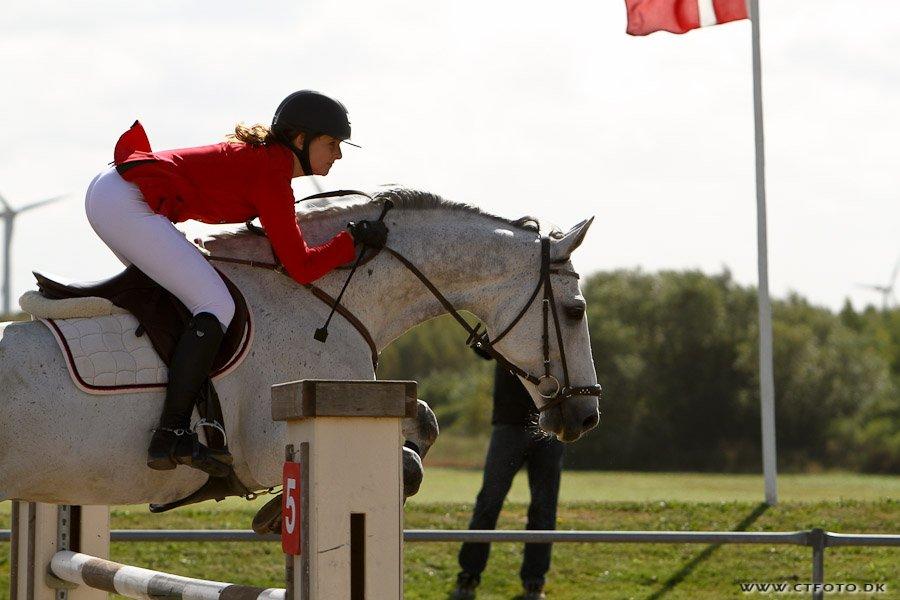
(372, 234)
(482, 353)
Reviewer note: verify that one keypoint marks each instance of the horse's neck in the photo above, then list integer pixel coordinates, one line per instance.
(462, 254)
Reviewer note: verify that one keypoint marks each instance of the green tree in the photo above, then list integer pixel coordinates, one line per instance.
(677, 355)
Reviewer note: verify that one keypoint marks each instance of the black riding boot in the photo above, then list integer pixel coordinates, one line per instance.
(173, 442)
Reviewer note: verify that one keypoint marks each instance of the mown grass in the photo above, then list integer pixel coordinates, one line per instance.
(645, 571)
(457, 485)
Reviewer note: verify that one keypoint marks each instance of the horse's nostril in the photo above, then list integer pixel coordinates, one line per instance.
(591, 422)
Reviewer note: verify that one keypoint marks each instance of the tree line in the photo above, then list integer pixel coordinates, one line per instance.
(677, 356)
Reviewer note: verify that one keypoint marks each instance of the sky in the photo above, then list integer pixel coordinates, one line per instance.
(539, 108)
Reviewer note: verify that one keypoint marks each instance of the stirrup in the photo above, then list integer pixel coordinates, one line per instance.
(212, 425)
(215, 463)
(212, 461)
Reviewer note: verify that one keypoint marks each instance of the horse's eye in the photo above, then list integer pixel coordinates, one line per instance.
(575, 312)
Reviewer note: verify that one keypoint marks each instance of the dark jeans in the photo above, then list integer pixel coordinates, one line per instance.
(512, 446)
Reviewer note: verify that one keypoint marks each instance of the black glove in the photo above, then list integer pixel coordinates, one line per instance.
(482, 353)
(372, 234)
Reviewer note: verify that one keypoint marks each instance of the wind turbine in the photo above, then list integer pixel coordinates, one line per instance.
(887, 290)
(9, 215)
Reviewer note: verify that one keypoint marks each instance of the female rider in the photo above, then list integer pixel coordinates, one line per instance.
(133, 207)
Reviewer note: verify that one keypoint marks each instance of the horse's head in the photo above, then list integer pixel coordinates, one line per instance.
(547, 339)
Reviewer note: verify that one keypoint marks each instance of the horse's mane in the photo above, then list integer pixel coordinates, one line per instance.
(403, 198)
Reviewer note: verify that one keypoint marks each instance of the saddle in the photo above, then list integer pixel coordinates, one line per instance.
(163, 318)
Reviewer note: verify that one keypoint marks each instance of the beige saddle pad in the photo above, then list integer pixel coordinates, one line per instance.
(102, 351)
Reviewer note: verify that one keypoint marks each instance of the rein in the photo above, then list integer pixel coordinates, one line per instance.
(318, 293)
(478, 338)
(549, 387)
(315, 290)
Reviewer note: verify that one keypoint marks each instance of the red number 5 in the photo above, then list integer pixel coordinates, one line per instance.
(290, 508)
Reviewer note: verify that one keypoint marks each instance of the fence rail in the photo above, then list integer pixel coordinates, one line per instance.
(817, 539)
(796, 538)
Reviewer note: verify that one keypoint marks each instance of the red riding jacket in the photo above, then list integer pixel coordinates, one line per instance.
(229, 183)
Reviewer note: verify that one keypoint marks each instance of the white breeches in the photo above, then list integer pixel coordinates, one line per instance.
(136, 235)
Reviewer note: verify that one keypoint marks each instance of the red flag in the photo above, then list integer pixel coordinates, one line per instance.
(680, 16)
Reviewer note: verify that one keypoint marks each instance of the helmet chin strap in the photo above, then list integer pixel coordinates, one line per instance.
(302, 154)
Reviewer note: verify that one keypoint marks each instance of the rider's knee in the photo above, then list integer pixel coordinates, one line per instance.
(222, 309)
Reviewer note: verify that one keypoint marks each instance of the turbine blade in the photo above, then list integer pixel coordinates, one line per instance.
(42, 203)
(4, 203)
(893, 280)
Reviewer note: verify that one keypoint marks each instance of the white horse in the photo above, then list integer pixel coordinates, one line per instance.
(59, 444)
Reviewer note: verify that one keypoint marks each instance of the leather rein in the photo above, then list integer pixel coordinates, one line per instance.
(318, 293)
(549, 387)
(478, 338)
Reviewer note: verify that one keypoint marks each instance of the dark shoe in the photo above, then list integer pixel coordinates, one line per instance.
(534, 591)
(465, 587)
(463, 593)
(161, 453)
(170, 448)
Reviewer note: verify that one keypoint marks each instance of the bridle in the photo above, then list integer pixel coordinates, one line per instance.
(549, 387)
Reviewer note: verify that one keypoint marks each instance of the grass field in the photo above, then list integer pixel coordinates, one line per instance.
(637, 501)
(451, 485)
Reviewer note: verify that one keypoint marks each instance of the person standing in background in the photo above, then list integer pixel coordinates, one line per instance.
(516, 440)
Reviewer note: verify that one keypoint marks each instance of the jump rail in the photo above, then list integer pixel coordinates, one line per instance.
(135, 582)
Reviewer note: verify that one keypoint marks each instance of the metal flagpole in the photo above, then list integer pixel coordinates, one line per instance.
(766, 381)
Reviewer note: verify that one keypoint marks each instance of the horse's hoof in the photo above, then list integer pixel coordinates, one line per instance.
(413, 472)
(268, 518)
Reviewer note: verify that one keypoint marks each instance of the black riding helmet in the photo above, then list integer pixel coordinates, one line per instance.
(313, 114)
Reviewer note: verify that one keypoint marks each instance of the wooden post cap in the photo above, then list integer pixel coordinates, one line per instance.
(328, 398)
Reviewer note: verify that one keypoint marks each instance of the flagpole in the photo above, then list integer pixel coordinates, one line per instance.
(766, 379)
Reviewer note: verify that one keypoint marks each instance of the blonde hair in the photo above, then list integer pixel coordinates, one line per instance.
(254, 135)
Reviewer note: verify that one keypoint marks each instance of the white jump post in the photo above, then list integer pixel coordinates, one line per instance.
(346, 437)
(39, 531)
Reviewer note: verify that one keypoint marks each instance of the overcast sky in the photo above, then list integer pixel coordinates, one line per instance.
(522, 108)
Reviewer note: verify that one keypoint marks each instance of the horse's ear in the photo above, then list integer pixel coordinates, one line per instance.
(562, 249)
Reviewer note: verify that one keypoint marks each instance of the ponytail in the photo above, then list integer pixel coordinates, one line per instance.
(254, 135)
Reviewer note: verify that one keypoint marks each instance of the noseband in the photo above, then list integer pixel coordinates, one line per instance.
(548, 386)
